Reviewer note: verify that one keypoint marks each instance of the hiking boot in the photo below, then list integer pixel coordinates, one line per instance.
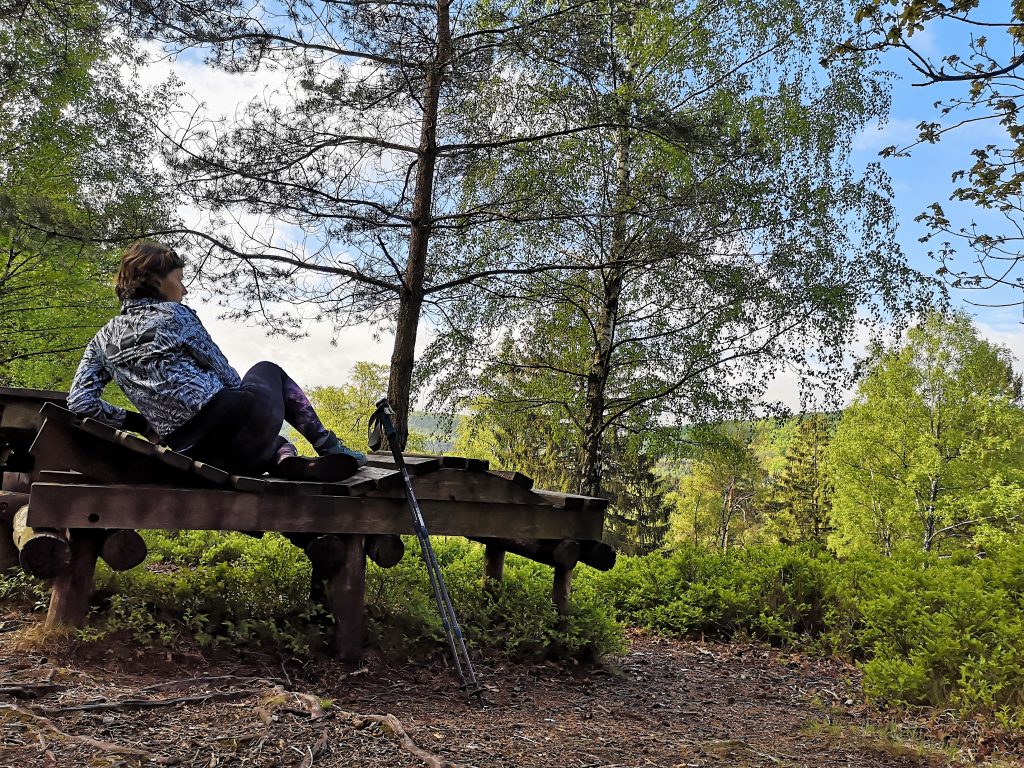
(325, 469)
(329, 445)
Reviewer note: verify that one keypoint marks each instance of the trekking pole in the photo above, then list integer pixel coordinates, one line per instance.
(382, 420)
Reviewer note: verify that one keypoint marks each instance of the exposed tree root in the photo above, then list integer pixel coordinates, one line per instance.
(196, 682)
(128, 705)
(391, 723)
(313, 752)
(30, 690)
(32, 721)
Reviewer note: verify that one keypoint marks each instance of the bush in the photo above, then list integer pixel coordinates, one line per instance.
(926, 629)
(230, 590)
(773, 594)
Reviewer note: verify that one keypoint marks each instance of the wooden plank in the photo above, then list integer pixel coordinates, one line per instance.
(365, 480)
(572, 501)
(516, 477)
(124, 506)
(20, 408)
(248, 484)
(56, 476)
(14, 394)
(454, 462)
(280, 487)
(210, 473)
(62, 447)
(479, 487)
(417, 465)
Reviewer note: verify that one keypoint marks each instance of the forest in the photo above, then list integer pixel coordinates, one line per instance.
(628, 248)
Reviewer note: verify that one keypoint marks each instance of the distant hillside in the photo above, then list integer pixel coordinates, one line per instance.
(439, 428)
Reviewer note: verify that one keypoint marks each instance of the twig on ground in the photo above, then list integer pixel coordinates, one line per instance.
(30, 718)
(391, 723)
(30, 690)
(195, 682)
(313, 752)
(127, 705)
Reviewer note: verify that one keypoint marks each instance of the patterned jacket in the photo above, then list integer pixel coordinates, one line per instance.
(163, 359)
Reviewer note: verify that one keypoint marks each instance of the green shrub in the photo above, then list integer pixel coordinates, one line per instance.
(231, 590)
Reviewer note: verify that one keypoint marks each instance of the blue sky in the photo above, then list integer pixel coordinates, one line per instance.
(917, 181)
(925, 177)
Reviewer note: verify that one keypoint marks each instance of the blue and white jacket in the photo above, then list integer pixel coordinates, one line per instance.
(163, 359)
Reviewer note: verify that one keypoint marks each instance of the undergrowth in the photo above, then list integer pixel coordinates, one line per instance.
(926, 630)
(216, 589)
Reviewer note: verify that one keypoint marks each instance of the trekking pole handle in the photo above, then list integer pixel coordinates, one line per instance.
(383, 418)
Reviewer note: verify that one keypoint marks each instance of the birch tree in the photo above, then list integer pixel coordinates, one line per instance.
(934, 435)
(336, 196)
(74, 172)
(733, 243)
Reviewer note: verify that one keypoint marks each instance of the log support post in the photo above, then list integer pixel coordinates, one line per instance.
(561, 589)
(42, 552)
(10, 503)
(69, 599)
(123, 549)
(346, 594)
(494, 566)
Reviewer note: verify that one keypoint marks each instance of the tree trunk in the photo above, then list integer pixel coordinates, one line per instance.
(727, 504)
(600, 368)
(929, 515)
(411, 299)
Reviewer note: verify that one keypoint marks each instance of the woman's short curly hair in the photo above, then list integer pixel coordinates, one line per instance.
(142, 266)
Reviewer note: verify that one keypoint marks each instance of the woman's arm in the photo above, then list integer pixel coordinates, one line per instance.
(86, 393)
(204, 350)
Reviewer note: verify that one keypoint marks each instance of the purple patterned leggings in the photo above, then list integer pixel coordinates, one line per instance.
(239, 429)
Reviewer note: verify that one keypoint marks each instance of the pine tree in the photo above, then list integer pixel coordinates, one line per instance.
(803, 496)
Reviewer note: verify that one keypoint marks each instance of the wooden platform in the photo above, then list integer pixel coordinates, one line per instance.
(86, 480)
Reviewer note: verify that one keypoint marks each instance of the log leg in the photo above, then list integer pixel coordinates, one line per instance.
(561, 589)
(346, 595)
(10, 502)
(69, 600)
(494, 566)
(43, 553)
(123, 549)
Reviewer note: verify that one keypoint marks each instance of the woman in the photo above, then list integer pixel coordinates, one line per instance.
(188, 395)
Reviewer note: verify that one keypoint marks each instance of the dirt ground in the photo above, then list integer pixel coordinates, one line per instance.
(666, 703)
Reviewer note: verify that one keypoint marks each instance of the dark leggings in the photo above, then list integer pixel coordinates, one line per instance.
(238, 430)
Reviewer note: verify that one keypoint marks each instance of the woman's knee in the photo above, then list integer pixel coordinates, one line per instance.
(265, 370)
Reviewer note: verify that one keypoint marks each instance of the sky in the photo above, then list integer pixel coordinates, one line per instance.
(917, 181)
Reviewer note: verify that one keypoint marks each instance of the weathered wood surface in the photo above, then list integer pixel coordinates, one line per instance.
(416, 465)
(561, 589)
(43, 553)
(558, 552)
(10, 503)
(494, 565)
(123, 549)
(345, 600)
(516, 477)
(69, 597)
(460, 485)
(61, 447)
(120, 506)
(572, 501)
(385, 550)
(19, 422)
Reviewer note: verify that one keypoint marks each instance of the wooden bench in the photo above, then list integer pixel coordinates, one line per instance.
(76, 489)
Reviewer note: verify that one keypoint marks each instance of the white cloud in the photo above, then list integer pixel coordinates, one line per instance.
(1010, 335)
(312, 360)
(877, 135)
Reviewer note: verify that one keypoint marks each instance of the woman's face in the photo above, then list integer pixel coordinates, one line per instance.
(171, 286)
